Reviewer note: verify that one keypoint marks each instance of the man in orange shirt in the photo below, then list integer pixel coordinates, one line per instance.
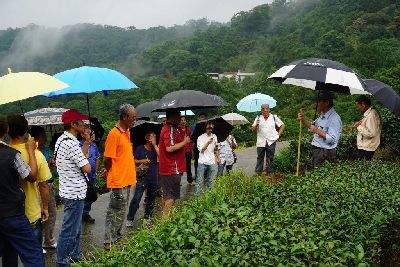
(121, 173)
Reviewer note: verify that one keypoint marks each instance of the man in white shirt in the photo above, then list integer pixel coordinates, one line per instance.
(208, 158)
(71, 166)
(267, 134)
(369, 128)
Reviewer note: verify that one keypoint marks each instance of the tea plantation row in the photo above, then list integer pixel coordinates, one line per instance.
(334, 215)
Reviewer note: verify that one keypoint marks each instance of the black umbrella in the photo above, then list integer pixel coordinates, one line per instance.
(384, 94)
(320, 74)
(222, 128)
(139, 130)
(145, 110)
(188, 99)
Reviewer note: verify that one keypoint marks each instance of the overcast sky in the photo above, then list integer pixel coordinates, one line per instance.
(139, 13)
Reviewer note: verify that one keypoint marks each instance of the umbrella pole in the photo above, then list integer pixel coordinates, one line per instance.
(298, 151)
(87, 102)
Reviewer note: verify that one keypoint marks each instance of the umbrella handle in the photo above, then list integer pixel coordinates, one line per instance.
(298, 151)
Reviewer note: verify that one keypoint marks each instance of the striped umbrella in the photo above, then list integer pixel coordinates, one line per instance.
(321, 74)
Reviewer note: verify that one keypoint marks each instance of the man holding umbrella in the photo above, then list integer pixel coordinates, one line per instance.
(265, 127)
(172, 159)
(369, 128)
(327, 129)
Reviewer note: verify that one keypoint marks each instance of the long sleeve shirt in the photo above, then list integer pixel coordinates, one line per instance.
(369, 131)
(331, 124)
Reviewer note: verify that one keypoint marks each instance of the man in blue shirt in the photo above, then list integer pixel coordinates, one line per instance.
(327, 129)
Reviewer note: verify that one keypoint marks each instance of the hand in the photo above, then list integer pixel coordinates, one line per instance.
(146, 161)
(52, 162)
(300, 115)
(30, 145)
(218, 161)
(45, 215)
(187, 139)
(104, 173)
(210, 140)
(356, 124)
(313, 128)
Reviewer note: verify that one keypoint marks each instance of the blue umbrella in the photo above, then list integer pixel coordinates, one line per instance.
(85, 80)
(253, 102)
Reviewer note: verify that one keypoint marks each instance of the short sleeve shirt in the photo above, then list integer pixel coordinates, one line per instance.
(266, 132)
(32, 199)
(207, 157)
(69, 161)
(119, 148)
(175, 162)
(142, 153)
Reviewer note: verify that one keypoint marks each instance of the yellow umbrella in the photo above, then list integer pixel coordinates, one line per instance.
(22, 85)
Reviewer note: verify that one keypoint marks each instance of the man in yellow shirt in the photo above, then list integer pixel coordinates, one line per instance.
(37, 193)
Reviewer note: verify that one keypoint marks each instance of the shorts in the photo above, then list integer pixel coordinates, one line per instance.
(171, 186)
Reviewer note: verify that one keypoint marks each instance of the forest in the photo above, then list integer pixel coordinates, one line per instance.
(363, 35)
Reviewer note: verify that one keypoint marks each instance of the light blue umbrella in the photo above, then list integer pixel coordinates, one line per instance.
(253, 102)
(85, 80)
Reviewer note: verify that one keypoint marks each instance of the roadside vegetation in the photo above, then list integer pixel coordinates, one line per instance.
(338, 214)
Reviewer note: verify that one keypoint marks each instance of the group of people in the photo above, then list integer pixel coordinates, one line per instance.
(27, 204)
(326, 129)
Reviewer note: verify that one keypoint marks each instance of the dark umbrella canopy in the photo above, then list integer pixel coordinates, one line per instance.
(384, 94)
(139, 130)
(145, 110)
(188, 99)
(321, 74)
(222, 128)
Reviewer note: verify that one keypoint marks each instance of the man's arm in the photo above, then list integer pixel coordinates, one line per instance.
(44, 195)
(30, 147)
(178, 146)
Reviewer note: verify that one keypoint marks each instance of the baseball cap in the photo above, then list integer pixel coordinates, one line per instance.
(73, 115)
(324, 95)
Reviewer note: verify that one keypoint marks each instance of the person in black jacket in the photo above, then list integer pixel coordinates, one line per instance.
(16, 233)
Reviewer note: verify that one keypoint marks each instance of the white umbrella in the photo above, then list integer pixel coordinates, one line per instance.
(235, 119)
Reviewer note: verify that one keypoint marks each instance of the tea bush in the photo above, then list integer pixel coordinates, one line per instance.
(334, 215)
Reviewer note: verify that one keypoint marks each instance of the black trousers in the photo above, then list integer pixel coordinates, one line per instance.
(364, 154)
(189, 167)
(268, 153)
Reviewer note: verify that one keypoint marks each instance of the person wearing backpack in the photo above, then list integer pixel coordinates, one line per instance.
(268, 128)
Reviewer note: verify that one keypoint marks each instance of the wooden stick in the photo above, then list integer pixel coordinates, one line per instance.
(298, 151)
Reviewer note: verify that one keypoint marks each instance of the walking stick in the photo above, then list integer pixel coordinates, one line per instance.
(298, 150)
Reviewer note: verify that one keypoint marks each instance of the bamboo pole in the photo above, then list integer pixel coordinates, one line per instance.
(298, 150)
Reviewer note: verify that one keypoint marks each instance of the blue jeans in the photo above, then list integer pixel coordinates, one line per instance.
(68, 245)
(221, 167)
(143, 183)
(205, 172)
(16, 234)
(87, 207)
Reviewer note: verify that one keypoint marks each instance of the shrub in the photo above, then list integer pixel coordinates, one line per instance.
(334, 215)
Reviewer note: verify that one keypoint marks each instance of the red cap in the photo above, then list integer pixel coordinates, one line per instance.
(73, 115)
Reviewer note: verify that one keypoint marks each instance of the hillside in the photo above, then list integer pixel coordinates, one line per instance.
(363, 35)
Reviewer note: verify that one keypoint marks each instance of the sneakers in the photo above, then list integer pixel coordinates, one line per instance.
(44, 251)
(129, 223)
(54, 246)
(88, 219)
